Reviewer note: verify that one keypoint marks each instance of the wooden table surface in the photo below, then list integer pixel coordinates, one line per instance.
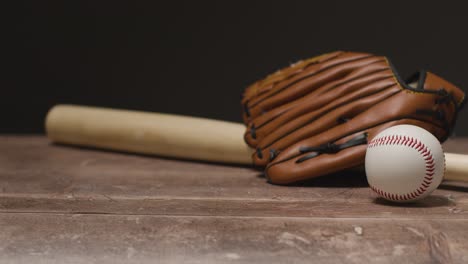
(62, 204)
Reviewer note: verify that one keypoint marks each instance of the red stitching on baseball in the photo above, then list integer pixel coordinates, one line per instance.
(425, 153)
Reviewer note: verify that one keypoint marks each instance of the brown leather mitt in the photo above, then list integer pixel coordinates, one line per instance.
(316, 116)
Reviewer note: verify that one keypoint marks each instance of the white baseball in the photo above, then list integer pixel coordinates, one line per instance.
(404, 163)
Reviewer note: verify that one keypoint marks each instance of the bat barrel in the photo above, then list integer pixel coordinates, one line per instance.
(148, 133)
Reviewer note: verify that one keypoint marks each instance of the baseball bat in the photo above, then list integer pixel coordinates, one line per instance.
(169, 135)
(166, 135)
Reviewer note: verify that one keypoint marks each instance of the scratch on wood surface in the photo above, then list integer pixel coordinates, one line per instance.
(134, 218)
(294, 241)
(109, 198)
(450, 198)
(415, 231)
(439, 248)
(86, 162)
(455, 210)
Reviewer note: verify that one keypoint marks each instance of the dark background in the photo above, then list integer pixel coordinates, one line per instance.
(196, 57)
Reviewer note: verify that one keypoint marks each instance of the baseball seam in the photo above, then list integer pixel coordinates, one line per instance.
(425, 153)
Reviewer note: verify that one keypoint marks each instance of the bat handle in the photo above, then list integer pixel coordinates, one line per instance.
(456, 167)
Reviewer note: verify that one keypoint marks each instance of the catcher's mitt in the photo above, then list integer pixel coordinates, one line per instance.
(316, 116)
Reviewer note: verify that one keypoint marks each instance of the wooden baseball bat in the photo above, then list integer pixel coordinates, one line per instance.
(169, 135)
(148, 133)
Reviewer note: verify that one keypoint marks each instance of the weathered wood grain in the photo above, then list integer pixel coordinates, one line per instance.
(33, 167)
(78, 238)
(69, 205)
(435, 207)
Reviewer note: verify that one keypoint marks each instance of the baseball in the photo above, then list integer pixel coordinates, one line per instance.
(404, 163)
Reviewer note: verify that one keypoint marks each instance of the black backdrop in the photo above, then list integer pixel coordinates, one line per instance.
(195, 57)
